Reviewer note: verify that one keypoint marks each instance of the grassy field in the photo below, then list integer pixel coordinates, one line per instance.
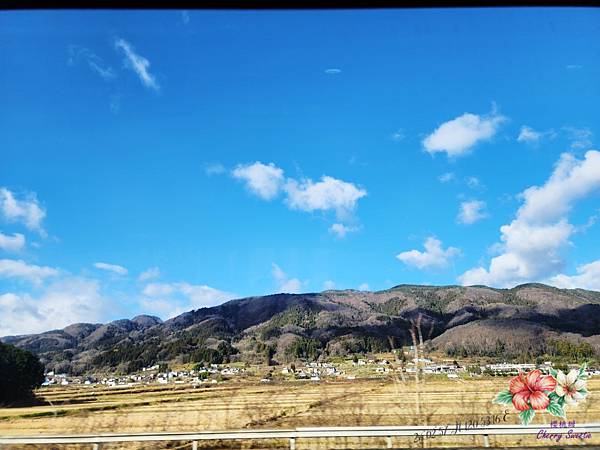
(284, 404)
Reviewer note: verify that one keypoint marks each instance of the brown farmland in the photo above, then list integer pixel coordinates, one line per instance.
(281, 404)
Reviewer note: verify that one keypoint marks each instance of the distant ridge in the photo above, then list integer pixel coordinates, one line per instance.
(528, 319)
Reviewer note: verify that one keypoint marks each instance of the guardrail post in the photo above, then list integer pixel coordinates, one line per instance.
(194, 445)
(292, 443)
(486, 440)
(96, 446)
(388, 439)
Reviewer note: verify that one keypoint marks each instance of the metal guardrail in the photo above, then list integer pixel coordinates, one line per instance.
(388, 432)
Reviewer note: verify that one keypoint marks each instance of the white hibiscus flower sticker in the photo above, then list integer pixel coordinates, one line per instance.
(571, 387)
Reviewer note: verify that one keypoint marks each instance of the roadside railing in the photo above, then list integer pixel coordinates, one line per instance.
(387, 432)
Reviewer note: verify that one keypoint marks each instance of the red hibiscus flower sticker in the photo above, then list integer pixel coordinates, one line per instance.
(531, 390)
(534, 392)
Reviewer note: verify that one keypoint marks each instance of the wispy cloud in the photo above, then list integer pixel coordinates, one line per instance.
(329, 285)
(114, 268)
(94, 62)
(474, 183)
(170, 299)
(26, 210)
(471, 211)
(137, 63)
(285, 284)
(581, 138)
(341, 230)
(11, 268)
(214, 169)
(447, 177)
(573, 67)
(398, 135)
(13, 243)
(149, 274)
(531, 136)
(333, 71)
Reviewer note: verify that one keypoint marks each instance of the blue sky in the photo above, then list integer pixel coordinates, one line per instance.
(160, 161)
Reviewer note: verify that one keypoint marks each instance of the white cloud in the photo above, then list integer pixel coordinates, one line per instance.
(474, 183)
(573, 67)
(149, 274)
(94, 62)
(533, 242)
(159, 289)
(447, 177)
(329, 285)
(137, 63)
(214, 169)
(341, 230)
(363, 287)
(327, 194)
(398, 135)
(285, 284)
(571, 180)
(457, 136)
(11, 268)
(120, 270)
(471, 211)
(531, 136)
(27, 211)
(261, 179)
(332, 71)
(13, 243)
(171, 299)
(581, 138)
(64, 302)
(434, 255)
(528, 134)
(588, 277)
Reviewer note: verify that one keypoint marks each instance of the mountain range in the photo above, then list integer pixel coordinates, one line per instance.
(527, 321)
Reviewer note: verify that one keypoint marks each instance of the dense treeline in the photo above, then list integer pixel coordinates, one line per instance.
(304, 348)
(559, 349)
(303, 316)
(367, 344)
(573, 351)
(133, 356)
(20, 373)
(392, 307)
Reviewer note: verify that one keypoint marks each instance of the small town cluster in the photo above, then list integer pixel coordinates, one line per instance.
(310, 371)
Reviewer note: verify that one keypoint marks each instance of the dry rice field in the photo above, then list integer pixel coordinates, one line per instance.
(284, 404)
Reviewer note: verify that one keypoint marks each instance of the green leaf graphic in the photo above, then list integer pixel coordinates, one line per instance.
(556, 410)
(553, 372)
(503, 398)
(526, 416)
